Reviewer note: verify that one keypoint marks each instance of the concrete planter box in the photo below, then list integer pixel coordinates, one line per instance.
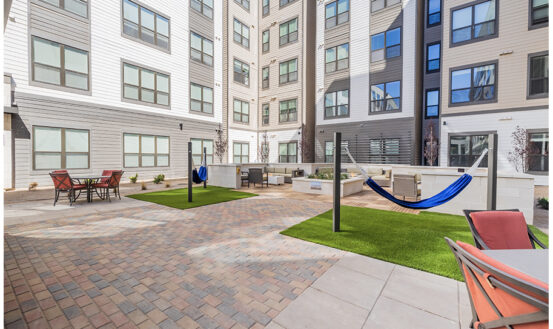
(324, 186)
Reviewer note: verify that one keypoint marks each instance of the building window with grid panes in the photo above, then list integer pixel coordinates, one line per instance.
(266, 7)
(432, 103)
(241, 33)
(288, 152)
(434, 12)
(201, 49)
(241, 152)
(538, 80)
(337, 104)
(465, 150)
(337, 58)
(241, 111)
(386, 97)
(336, 13)
(539, 12)
(146, 25)
(285, 2)
(241, 72)
(288, 32)
(473, 22)
(377, 5)
(288, 71)
(386, 45)
(265, 77)
(198, 145)
(265, 114)
(145, 85)
(433, 57)
(145, 151)
(473, 85)
(59, 65)
(201, 98)
(78, 7)
(60, 148)
(265, 40)
(288, 110)
(384, 150)
(203, 6)
(538, 157)
(244, 3)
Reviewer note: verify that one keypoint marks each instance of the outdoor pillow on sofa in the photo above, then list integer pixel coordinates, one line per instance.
(374, 171)
(280, 170)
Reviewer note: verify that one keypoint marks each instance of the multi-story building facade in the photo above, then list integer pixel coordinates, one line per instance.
(494, 78)
(368, 69)
(111, 84)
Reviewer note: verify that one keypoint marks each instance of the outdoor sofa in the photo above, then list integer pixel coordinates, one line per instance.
(287, 173)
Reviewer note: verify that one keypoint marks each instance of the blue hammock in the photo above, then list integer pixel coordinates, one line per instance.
(444, 196)
(199, 176)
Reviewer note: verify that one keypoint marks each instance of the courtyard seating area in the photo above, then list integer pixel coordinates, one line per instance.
(72, 186)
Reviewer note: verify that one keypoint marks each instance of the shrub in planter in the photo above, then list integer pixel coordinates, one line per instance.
(159, 178)
(167, 184)
(544, 203)
(33, 186)
(143, 186)
(133, 178)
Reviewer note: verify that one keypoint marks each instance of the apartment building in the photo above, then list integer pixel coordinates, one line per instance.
(96, 85)
(367, 80)
(494, 78)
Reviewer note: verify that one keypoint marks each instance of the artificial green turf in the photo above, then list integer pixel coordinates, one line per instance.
(178, 198)
(415, 241)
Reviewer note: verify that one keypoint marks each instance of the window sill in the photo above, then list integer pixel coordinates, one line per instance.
(61, 88)
(537, 96)
(471, 103)
(138, 102)
(337, 71)
(192, 60)
(288, 43)
(468, 42)
(384, 112)
(538, 173)
(337, 26)
(287, 83)
(142, 42)
(386, 60)
(201, 113)
(337, 117)
(537, 26)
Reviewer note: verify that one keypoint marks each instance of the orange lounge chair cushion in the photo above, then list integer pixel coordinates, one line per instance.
(502, 229)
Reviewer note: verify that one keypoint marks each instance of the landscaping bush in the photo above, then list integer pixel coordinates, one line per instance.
(143, 186)
(33, 186)
(167, 184)
(327, 176)
(133, 178)
(544, 203)
(159, 178)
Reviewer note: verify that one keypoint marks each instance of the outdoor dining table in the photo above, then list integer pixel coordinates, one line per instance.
(88, 180)
(533, 262)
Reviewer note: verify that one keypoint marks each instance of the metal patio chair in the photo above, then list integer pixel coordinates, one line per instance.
(109, 183)
(64, 184)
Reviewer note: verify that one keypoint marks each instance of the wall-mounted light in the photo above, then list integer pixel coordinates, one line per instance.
(506, 52)
(180, 126)
(444, 123)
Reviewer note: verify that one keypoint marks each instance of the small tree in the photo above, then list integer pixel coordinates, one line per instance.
(305, 148)
(263, 150)
(221, 144)
(430, 145)
(520, 150)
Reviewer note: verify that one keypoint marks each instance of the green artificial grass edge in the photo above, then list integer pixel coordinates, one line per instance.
(415, 241)
(178, 198)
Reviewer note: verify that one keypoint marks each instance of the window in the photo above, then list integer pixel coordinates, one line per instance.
(337, 104)
(288, 32)
(434, 12)
(57, 64)
(241, 111)
(337, 58)
(241, 72)
(266, 7)
(145, 85)
(288, 152)
(539, 12)
(145, 151)
(473, 22)
(60, 148)
(289, 71)
(433, 58)
(377, 5)
(201, 98)
(265, 114)
(539, 76)
(241, 33)
(476, 84)
(285, 2)
(244, 3)
(198, 150)
(336, 13)
(432, 103)
(203, 6)
(146, 25)
(538, 157)
(329, 152)
(265, 40)
(265, 77)
(384, 150)
(465, 150)
(79, 7)
(288, 110)
(386, 45)
(386, 96)
(241, 153)
(201, 49)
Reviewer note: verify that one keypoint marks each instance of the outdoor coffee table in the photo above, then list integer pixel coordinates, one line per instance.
(276, 180)
(533, 262)
(88, 180)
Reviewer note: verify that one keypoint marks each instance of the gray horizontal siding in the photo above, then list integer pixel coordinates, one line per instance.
(106, 126)
(201, 23)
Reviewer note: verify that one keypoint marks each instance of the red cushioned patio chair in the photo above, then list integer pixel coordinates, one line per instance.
(64, 183)
(500, 296)
(501, 229)
(109, 183)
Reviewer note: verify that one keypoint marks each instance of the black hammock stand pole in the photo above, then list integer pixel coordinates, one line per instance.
(189, 171)
(336, 183)
(205, 162)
